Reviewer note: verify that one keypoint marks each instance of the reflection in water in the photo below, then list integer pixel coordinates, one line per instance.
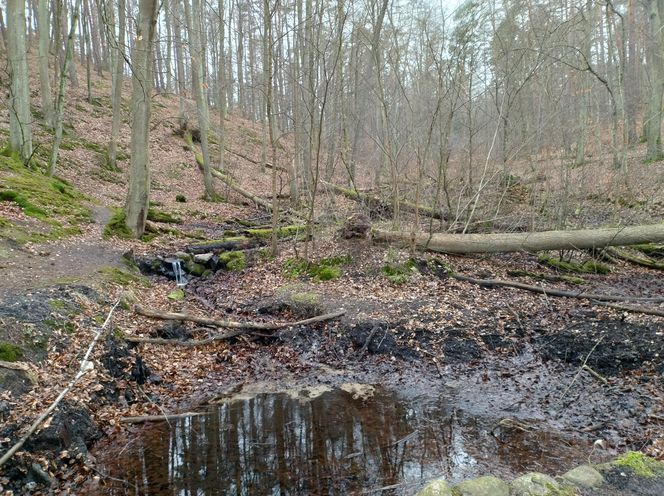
(273, 444)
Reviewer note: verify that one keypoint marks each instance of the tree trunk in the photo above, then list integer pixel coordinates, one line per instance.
(585, 239)
(198, 85)
(20, 129)
(656, 62)
(221, 82)
(60, 101)
(44, 81)
(136, 208)
(118, 76)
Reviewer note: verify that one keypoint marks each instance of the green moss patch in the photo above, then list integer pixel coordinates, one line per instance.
(282, 232)
(122, 277)
(160, 216)
(399, 273)
(233, 260)
(117, 226)
(587, 267)
(641, 464)
(323, 270)
(10, 352)
(53, 201)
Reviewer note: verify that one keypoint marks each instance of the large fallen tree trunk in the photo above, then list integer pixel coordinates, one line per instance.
(370, 200)
(261, 202)
(585, 239)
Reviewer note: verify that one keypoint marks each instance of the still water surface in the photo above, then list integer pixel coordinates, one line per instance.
(337, 443)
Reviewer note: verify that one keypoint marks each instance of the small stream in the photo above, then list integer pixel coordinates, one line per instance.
(331, 442)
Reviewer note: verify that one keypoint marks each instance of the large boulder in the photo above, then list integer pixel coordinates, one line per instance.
(437, 487)
(584, 476)
(482, 486)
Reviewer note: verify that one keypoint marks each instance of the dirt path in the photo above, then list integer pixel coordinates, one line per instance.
(69, 261)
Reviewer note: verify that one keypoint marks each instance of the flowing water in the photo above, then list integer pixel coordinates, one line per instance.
(331, 442)
(180, 280)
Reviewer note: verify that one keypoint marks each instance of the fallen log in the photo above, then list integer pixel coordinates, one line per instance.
(141, 419)
(632, 308)
(234, 243)
(491, 283)
(634, 259)
(368, 199)
(585, 239)
(241, 327)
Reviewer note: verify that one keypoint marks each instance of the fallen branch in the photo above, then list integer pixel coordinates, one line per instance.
(634, 259)
(260, 326)
(84, 367)
(583, 366)
(241, 327)
(159, 418)
(597, 376)
(490, 283)
(369, 199)
(632, 308)
(14, 366)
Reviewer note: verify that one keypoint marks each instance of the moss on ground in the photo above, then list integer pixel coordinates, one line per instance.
(282, 232)
(233, 260)
(399, 273)
(160, 216)
(51, 200)
(122, 277)
(323, 270)
(10, 352)
(117, 226)
(641, 464)
(587, 267)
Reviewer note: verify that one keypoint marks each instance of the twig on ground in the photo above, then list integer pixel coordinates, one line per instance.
(583, 366)
(597, 376)
(160, 418)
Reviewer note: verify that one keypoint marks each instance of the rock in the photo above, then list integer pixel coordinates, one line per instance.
(482, 486)
(195, 269)
(174, 329)
(534, 484)
(5, 410)
(18, 382)
(140, 372)
(356, 226)
(71, 427)
(39, 474)
(185, 257)
(438, 487)
(584, 476)
(176, 295)
(203, 258)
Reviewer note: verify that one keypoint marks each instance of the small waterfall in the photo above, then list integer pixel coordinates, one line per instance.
(180, 280)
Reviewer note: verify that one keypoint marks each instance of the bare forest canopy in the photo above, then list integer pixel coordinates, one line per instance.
(461, 112)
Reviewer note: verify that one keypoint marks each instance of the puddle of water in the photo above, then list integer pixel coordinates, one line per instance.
(333, 442)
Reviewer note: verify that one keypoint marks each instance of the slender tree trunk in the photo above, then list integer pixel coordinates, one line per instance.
(179, 60)
(221, 82)
(60, 101)
(44, 81)
(656, 62)
(118, 77)
(138, 195)
(198, 86)
(20, 127)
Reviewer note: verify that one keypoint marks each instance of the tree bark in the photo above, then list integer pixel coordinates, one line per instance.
(509, 242)
(20, 128)
(118, 59)
(44, 81)
(136, 208)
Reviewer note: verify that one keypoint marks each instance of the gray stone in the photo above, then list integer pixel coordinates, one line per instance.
(203, 258)
(534, 484)
(584, 476)
(185, 257)
(483, 486)
(437, 487)
(39, 474)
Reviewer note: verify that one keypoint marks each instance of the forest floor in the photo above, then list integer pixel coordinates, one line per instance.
(502, 354)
